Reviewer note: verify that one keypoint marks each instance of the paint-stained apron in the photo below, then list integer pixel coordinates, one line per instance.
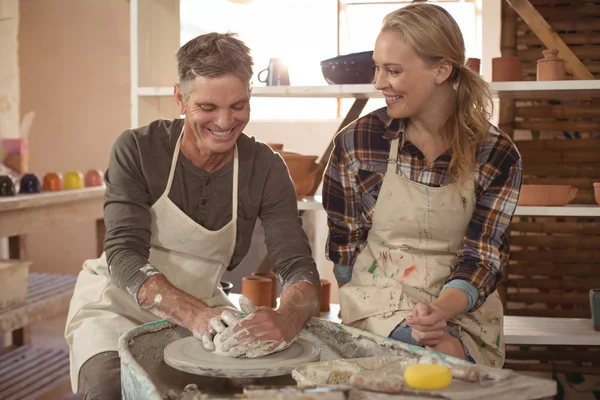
(411, 247)
(191, 257)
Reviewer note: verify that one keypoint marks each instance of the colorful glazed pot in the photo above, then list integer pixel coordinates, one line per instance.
(73, 180)
(30, 184)
(7, 186)
(94, 177)
(52, 182)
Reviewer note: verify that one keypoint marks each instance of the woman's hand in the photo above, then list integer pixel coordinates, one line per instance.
(428, 323)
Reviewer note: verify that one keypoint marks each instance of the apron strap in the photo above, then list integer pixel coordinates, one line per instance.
(174, 163)
(234, 194)
(393, 160)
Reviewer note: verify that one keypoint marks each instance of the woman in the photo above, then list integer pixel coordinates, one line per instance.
(182, 198)
(420, 194)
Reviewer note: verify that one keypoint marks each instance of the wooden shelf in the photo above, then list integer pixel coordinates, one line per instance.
(516, 90)
(314, 204)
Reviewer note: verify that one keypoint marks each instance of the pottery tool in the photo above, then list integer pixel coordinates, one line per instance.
(188, 355)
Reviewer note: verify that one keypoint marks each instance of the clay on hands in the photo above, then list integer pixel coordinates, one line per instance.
(251, 347)
(211, 338)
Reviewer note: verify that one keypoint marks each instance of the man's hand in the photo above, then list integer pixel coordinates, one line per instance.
(428, 323)
(211, 321)
(261, 332)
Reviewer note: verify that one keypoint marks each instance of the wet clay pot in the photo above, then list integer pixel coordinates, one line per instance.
(7, 186)
(271, 276)
(546, 195)
(30, 184)
(597, 192)
(304, 171)
(474, 64)
(258, 290)
(52, 182)
(551, 68)
(94, 177)
(507, 69)
(325, 295)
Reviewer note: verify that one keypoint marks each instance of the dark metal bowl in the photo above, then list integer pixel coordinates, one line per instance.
(227, 286)
(354, 68)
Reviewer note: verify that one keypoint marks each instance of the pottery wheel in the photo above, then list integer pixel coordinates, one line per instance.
(189, 355)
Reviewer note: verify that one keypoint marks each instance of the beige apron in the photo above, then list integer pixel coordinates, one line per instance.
(417, 231)
(191, 257)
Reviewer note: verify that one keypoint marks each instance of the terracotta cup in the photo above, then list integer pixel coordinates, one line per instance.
(507, 69)
(325, 295)
(273, 278)
(597, 192)
(52, 182)
(258, 290)
(474, 64)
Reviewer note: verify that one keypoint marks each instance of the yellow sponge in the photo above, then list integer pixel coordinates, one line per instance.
(427, 376)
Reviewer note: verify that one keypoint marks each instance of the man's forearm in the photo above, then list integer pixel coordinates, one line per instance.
(300, 301)
(161, 298)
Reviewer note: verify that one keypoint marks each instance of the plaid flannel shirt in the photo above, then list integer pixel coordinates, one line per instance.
(353, 179)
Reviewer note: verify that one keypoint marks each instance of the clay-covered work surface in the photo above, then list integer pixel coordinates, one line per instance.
(188, 355)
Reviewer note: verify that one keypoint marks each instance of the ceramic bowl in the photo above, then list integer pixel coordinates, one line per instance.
(30, 184)
(73, 180)
(94, 177)
(7, 186)
(52, 182)
(546, 195)
(355, 68)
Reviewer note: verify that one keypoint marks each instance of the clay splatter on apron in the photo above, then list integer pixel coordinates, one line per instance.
(409, 271)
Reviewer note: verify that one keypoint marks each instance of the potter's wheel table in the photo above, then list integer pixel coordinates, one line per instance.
(189, 355)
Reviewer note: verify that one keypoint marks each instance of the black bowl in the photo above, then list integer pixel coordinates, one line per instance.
(30, 184)
(349, 69)
(227, 286)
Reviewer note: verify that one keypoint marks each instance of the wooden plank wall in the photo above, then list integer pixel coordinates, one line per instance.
(554, 261)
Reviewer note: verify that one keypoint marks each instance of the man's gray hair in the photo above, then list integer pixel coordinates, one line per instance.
(213, 55)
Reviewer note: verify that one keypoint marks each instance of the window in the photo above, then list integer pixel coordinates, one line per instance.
(303, 33)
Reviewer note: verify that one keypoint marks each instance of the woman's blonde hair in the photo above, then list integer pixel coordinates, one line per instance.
(435, 36)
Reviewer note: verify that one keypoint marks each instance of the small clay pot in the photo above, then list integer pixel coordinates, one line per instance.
(507, 69)
(30, 184)
(94, 177)
(325, 295)
(546, 195)
(258, 290)
(276, 146)
(304, 171)
(597, 192)
(73, 180)
(7, 186)
(474, 64)
(52, 182)
(551, 68)
(271, 276)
